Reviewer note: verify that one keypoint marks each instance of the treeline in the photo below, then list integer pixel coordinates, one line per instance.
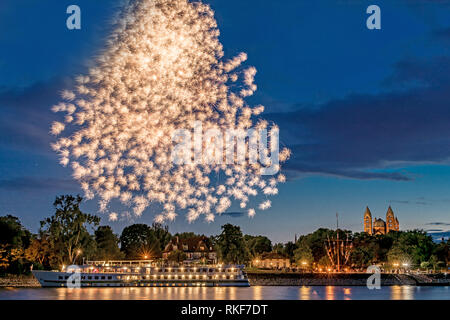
(414, 249)
(70, 236)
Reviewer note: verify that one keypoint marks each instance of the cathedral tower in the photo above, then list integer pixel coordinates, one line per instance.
(390, 220)
(368, 221)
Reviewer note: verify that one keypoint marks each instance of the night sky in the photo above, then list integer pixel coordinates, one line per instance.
(366, 113)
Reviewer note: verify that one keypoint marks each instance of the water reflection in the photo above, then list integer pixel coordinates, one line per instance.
(230, 293)
(305, 293)
(404, 292)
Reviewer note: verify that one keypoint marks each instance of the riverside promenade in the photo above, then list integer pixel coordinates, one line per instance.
(343, 279)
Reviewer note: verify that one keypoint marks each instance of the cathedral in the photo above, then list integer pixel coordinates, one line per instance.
(379, 226)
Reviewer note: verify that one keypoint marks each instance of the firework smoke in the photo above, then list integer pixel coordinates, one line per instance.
(162, 70)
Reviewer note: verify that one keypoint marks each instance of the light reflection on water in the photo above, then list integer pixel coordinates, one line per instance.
(230, 293)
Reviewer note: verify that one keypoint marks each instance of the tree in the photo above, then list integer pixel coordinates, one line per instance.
(442, 252)
(12, 233)
(303, 254)
(316, 241)
(231, 245)
(67, 230)
(257, 244)
(176, 256)
(324, 262)
(398, 256)
(186, 235)
(278, 248)
(289, 249)
(38, 251)
(14, 239)
(107, 244)
(162, 234)
(138, 241)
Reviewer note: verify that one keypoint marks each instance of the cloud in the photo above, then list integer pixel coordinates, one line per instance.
(37, 183)
(234, 214)
(366, 136)
(25, 115)
(415, 202)
(438, 224)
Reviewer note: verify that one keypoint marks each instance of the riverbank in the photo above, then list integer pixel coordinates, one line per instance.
(22, 281)
(343, 279)
(292, 279)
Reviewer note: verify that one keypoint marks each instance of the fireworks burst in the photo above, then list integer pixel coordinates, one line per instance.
(162, 70)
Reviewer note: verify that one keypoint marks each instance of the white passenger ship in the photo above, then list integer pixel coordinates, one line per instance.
(142, 273)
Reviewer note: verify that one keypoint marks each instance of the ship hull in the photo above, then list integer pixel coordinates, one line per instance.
(74, 280)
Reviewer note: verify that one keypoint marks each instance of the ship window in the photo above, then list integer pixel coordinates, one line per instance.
(103, 277)
(109, 277)
(60, 277)
(96, 278)
(89, 278)
(66, 277)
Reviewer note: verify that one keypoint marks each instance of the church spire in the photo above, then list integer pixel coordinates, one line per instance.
(368, 221)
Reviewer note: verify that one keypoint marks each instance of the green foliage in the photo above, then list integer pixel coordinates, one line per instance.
(303, 254)
(14, 239)
(257, 244)
(315, 241)
(398, 255)
(177, 256)
(324, 262)
(107, 244)
(162, 234)
(231, 245)
(139, 241)
(67, 231)
(278, 248)
(39, 251)
(415, 246)
(442, 252)
(186, 235)
(289, 249)
(12, 233)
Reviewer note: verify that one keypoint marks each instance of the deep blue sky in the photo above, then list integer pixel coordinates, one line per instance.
(366, 113)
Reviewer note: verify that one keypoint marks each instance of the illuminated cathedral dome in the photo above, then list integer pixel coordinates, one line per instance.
(379, 223)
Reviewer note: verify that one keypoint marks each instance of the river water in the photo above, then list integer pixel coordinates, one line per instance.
(231, 293)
